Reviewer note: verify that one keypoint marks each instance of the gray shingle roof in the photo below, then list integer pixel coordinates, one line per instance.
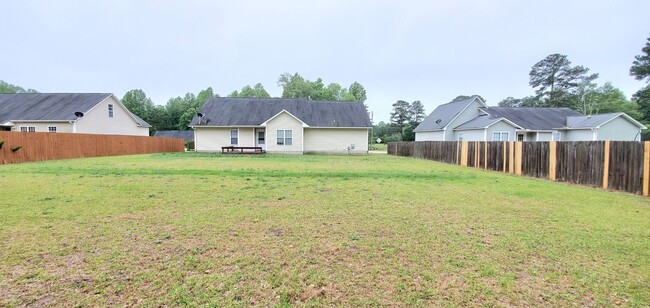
(184, 134)
(50, 106)
(47, 106)
(445, 113)
(482, 121)
(142, 122)
(223, 111)
(533, 118)
(590, 121)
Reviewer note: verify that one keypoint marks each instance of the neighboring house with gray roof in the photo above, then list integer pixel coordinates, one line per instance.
(187, 135)
(609, 126)
(440, 124)
(282, 125)
(466, 120)
(89, 113)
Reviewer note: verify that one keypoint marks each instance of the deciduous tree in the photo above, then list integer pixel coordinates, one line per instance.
(6, 87)
(138, 103)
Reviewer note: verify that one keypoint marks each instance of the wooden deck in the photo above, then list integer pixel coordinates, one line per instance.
(242, 150)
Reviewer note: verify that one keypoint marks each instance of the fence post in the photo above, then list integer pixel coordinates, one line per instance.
(485, 157)
(646, 167)
(463, 153)
(505, 158)
(511, 163)
(476, 150)
(518, 157)
(606, 166)
(552, 157)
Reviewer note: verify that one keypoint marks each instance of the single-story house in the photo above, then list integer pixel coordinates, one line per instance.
(187, 135)
(471, 120)
(89, 113)
(277, 125)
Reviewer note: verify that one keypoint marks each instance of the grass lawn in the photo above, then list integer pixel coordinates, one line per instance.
(195, 229)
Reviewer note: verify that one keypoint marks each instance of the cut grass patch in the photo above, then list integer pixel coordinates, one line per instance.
(196, 228)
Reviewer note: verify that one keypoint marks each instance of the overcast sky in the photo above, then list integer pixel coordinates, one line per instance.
(430, 51)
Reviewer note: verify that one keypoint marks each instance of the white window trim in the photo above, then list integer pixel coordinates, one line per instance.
(28, 129)
(500, 135)
(237, 136)
(52, 129)
(284, 137)
(111, 110)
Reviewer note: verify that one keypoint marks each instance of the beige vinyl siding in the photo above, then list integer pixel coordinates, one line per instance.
(213, 138)
(246, 137)
(336, 140)
(97, 121)
(284, 121)
(618, 129)
(429, 136)
(42, 127)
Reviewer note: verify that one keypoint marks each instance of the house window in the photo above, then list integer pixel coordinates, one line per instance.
(520, 137)
(110, 110)
(234, 136)
(51, 129)
(26, 129)
(500, 136)
(260, 137)
(460, 136)
(557, 136)
(285, 137)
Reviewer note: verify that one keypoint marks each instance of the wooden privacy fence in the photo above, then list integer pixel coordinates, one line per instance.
(617, 165)
(18, 147)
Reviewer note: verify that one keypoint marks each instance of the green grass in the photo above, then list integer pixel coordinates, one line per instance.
(378, 147)
(271, 230)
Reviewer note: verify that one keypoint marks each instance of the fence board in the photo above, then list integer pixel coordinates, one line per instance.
(49, 146)
(581, 162)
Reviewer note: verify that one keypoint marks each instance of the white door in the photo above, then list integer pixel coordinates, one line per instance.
(260, 139)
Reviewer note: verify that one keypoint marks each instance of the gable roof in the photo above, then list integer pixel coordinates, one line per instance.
(51, 106)
(183, 134)
(140, 121)
(482, 122)
(597, 120)
(227, 111)
(446, 113)
(47, 106)
(533, 118)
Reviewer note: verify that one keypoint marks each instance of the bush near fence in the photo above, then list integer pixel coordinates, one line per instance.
(19, 147)
(616, 165)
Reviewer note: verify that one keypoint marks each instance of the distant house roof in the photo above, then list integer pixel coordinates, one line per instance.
(533, 118)
(444, 114)
(483, 121)
(50, 106)
(224, 111)
(597, 120)
(183, 134)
